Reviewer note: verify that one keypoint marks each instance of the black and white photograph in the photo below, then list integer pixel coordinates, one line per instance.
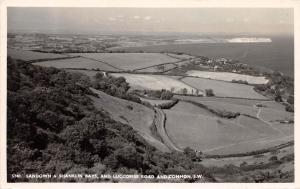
(149, 94)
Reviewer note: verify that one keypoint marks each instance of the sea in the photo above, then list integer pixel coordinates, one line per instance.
(277, 55)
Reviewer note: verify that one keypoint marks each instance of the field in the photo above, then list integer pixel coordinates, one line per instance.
(197, 129)
(130, 61)
(219, 105)
(154, 82)
(248, 159)
(79, 63)
(31, 55)
(155, 102)
(238, 101)
(160, 68)
(226, 76)
(136, 115)
(223, 89)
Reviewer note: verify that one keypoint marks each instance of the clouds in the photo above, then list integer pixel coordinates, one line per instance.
(200, 20)
(147, 18)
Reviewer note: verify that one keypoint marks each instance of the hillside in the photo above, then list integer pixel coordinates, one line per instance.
(53, 128)
(136, 115)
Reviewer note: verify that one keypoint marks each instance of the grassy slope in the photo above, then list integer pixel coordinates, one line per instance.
(136, 115)
(222, 136)
(79, 63)
(224, 89)
(154, 82)
(30, 55)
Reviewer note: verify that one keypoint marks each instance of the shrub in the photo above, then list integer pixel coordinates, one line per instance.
(209, 92)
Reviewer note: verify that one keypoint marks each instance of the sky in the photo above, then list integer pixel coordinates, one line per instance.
(151, 20)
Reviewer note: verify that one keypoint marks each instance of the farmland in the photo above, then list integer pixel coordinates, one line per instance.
(129, 61)
(214, 135)
(225, 76)
(185, 124)
(220, 105)
(223, 89)
(154, 82)
(78, 63)
(31, 55)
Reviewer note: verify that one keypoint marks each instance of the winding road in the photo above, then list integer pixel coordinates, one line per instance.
(160, 120)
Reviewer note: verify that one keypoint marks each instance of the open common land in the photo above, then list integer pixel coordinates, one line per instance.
(77, 63)
(223, 89)
(155, 82)
(130, 61)
(226, 76)
(31, 55)
(211, 134)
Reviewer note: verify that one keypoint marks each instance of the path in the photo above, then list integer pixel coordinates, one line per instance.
(264, 121)
(160, 120)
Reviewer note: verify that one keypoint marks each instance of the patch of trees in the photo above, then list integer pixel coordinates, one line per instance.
(280, 88)
(168, 105)
(209, 92)
(114, 86)
(159, 94)
(240, 81)
(53, 127)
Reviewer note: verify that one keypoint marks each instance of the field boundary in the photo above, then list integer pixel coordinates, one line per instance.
(158, 65)
(251, 153)
(51, 59)
(102, 62)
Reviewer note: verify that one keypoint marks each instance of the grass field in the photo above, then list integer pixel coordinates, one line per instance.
(219, 105)
(248, 159)
(223, 89)
(160, 68)
(136, 115)
(191, 108)
(246, 102)
(31, 55)
(81, 63)
(130, 61)
(189, 125)
(226, 76)
(271, 114)
(154, 82)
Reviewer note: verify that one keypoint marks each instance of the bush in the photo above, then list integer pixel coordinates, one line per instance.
(273, 158)
(209, 92)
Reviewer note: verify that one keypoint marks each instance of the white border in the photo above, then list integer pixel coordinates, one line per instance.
(143, 3)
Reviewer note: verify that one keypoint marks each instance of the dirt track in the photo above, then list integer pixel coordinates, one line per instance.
(160, 120)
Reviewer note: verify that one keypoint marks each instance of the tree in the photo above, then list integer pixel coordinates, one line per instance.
(290, 99)
(99, 75)
(184, 91)
(278, 98)
(209, 92)
(166, 95)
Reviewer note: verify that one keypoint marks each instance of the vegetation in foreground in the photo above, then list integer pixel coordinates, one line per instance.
(54, 128)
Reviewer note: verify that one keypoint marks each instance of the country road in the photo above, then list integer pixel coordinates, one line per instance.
(160, 120)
